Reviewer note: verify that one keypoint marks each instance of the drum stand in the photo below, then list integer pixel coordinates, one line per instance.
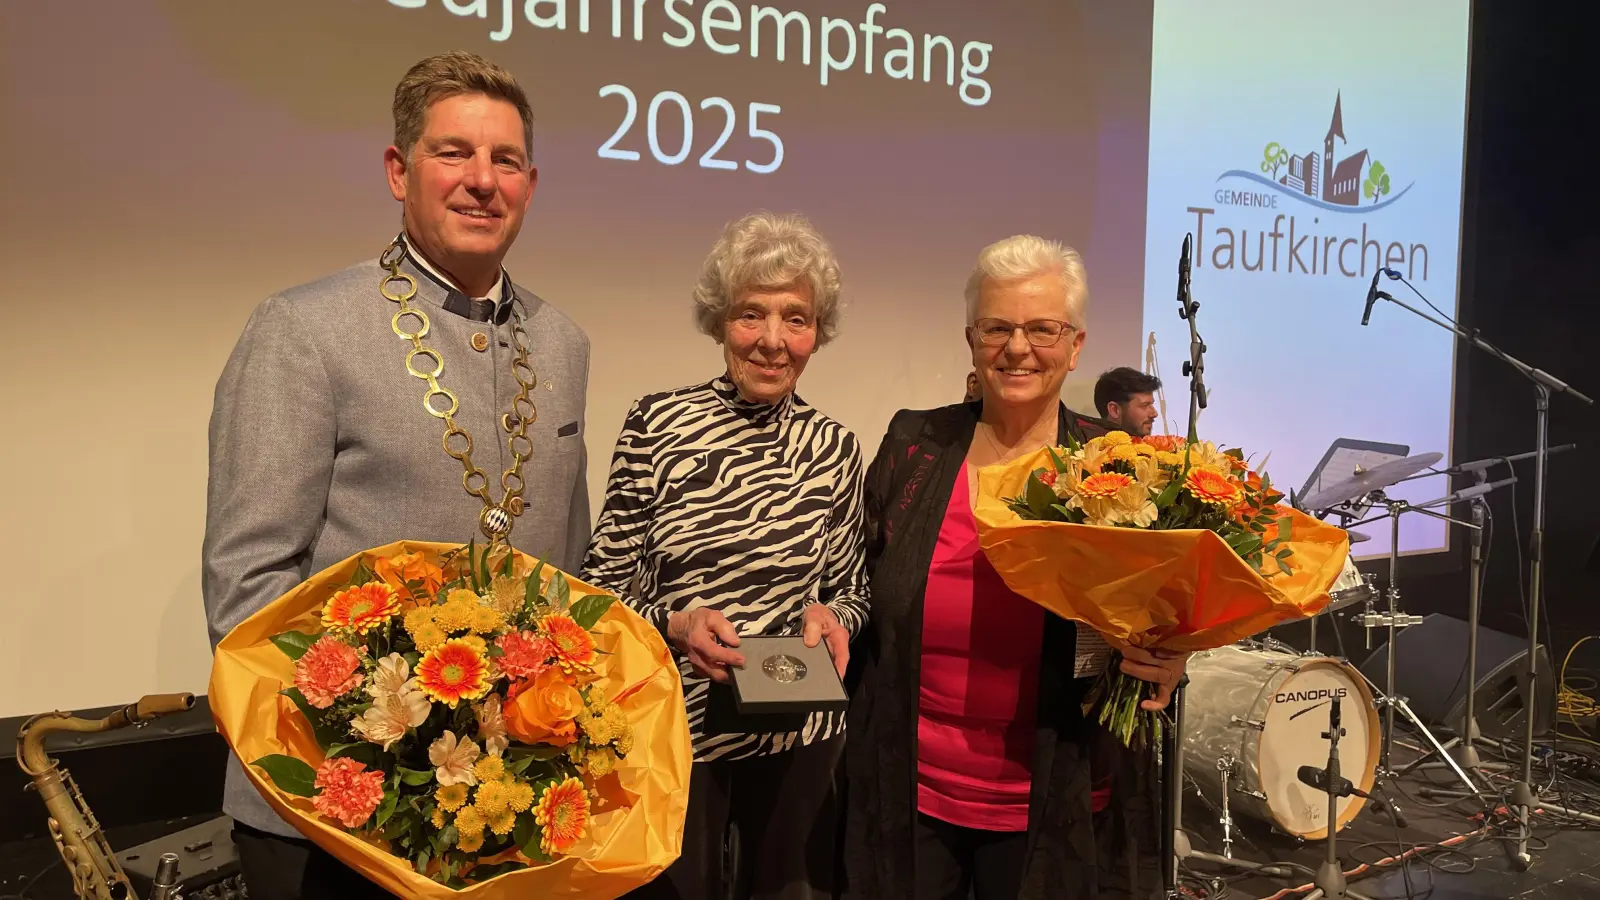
(1393, 620)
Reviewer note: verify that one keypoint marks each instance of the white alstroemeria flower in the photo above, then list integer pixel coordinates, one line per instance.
(453, 760)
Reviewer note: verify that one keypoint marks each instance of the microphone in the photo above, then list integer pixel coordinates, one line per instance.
(1183, 272)
(1318, 778)
(1372, 296)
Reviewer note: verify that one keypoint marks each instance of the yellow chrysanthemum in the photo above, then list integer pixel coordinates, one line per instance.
(439, 818)
(502, 823)
(601, 763)
(475, 642)
(1143, 449)
(1124, 452)
(456, 614)
(486, 620)
(470, 821)
(1168, 458)
(492, 798)
(451, 797)
(416, 618)
(490, 768)
(428, 637)
(601, 723)
(1117, 438)
(470, 842)
(624, 742)
(521, 796)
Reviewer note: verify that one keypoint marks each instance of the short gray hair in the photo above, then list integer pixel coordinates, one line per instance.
(1025, 256)
(767, 251)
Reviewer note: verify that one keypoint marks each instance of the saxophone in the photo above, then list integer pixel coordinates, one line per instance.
(96, 874)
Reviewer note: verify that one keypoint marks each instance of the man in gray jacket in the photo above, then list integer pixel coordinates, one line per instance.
(322, 444)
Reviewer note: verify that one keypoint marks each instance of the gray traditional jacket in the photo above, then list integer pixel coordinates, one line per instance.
(321, 447)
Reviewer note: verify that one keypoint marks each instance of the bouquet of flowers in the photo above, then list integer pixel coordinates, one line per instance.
(460, 714)
(1157, 543)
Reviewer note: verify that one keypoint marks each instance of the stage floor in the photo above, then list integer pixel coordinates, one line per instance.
(1566, 854)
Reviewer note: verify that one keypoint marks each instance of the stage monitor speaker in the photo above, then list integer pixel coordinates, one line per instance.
(1429, 673)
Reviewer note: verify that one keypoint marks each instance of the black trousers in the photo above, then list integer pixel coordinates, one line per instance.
(762, 828)
(280, 868)
(955, 862)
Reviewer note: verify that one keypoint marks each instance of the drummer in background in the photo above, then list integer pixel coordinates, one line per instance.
(1127, 399)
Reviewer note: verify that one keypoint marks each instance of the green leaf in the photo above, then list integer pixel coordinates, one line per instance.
(1169, 494)
(294, 644)
(1058, 462)
(472, 563)
(292, 776)
(386, 809)
(327, 735)
(333, 750)
(560, 591)
(526, 833)
(412, 776)
(420, 863)
(588, 610)
(483, 571)
(1040, 497)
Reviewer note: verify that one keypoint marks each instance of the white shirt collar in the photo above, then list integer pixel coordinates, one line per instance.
(496, 291)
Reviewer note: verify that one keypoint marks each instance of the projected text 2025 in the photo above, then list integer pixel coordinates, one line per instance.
(711, 111)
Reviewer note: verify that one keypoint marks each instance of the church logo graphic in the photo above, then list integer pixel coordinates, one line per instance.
(1356, 182)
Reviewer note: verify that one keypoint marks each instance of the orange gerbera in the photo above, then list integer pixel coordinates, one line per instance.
(362, 608)
(454, 671)
(1212, 486)
(1103, 486)
(347, 791)
(563, 816)
(574, 647)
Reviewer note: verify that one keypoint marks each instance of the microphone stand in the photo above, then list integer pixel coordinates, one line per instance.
(1174, 844)
(1544, 384)
(1330, 881)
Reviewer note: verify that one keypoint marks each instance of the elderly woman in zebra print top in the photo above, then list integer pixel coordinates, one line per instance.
(735, 508)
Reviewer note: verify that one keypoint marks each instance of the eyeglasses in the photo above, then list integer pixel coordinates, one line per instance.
(1039, 332)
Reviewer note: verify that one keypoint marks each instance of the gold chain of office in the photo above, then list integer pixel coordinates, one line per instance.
(496, 519)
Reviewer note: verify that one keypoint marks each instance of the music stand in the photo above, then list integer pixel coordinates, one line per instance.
(1344, 458)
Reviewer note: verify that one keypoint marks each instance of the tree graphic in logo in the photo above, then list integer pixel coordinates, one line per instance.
(1377, 182)
(1273, 157)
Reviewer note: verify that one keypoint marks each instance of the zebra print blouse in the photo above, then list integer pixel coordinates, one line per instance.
(751, 509)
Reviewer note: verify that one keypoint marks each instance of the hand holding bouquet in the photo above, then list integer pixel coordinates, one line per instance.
(1158, 543)
(463, 712)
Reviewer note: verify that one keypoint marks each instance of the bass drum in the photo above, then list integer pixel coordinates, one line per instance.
(1266, 711)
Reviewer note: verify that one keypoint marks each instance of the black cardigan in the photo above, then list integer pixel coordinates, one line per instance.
(1071, 852)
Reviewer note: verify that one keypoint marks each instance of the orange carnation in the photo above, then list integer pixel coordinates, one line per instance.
(454, 671)
(410, 569)
(544, 711)
(362, 608)
(1212, 486)
(347, 791)
(562, 815)
(1167, 442)
(327, 671)
(574, 647)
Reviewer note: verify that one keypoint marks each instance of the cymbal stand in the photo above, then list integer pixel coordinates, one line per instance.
(1389, 698)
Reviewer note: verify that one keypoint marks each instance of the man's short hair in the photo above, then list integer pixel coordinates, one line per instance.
(1119, 385)
(447, 75)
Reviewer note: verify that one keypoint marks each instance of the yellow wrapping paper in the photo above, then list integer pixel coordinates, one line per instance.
(1183, 590)
(637, 827)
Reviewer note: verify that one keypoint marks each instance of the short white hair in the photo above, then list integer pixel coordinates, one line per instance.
(1026, 256)
(767, 251)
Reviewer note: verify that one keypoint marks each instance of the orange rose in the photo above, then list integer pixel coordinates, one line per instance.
(544, 711)
(396, 571)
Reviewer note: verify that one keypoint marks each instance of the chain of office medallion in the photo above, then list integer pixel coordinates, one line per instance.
(440, 402)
